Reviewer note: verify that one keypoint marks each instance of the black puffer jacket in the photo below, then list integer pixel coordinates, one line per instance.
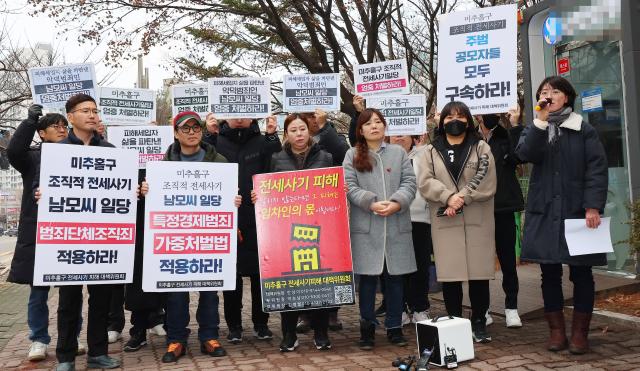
(285, 160)
(332, 142)
(26, 160)
(252, 152)
(508, 196)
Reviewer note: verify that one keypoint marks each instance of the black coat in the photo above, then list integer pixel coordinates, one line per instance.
(135, 298)
(315, 159)
(333, 143)
(252, 152)
(26, 160)
(508, 196)
(567, 178)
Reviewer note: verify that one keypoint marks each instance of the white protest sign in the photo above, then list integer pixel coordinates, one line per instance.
(477, 59)
(190, 97)
(190, 227)
(150, 142)
(305, 93)
(240, 97)
(87, 215)
(381, 78)
(127, 106)
(52, 86)
(405, 114)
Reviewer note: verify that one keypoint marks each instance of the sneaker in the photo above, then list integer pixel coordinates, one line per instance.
(420, 316)
(262, 332)
(213, 348)
(158, 330)
(235, 335)
(304, 324)
(396, 337)
(321, 340)
(103, 361)
(406, 318)
(37, 351)
(136, 342)
(513, 319)
(82, 349)
(489, 319)
(174, 352)
(334, 323)
(114, 336)
(480, 334)
(382, 310)
(66, 366)
(289, 342)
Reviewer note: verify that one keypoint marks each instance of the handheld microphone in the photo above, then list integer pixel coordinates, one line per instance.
(543, 104)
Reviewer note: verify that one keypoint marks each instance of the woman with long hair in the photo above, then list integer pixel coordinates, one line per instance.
(381, 185)
(458, 179)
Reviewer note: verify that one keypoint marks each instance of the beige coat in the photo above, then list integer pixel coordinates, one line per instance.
(463, 245)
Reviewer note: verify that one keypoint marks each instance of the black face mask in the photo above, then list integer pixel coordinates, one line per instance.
(455, 127)
(490, 123)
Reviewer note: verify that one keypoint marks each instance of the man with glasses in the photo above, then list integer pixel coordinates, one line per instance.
(82, 113)
(188, 146)
(26, 159)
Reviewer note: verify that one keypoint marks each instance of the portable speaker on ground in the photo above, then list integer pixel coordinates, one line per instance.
(449, 339)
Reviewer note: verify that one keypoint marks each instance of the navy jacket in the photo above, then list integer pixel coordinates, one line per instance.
(567, 178)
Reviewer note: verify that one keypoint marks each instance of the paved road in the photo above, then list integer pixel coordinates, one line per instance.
(7, 244)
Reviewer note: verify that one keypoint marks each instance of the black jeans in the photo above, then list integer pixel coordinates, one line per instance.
(69, 309)
(116, 309)
(583, 287)
(141, 320)
(416, 284)
(233, 304)
(478, 296)
(319, 320)
(506, 251)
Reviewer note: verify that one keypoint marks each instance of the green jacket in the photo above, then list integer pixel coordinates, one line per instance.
(173, 153)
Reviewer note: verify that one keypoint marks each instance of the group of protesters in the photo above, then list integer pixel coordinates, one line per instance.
(448, 199)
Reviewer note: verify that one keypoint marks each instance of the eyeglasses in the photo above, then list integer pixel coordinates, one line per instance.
(58, 127)
(86, 111)
(186, 129)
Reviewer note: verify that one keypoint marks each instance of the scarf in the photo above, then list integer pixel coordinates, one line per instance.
(555, 120)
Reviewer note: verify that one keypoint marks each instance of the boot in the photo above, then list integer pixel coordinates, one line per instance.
(557, 333)
(367, 335)
(334, 323)
(579, 332)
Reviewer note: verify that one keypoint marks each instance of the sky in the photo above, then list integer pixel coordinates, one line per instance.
(26, 30)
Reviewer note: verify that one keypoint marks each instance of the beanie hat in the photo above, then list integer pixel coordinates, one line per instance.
(184, 116)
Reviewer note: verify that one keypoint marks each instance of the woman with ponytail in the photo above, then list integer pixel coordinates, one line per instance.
(381, 185)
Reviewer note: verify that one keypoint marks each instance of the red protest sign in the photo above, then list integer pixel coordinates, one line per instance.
(563, 66)
(303, 239)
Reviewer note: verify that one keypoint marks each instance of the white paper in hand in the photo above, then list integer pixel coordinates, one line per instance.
(582, 240)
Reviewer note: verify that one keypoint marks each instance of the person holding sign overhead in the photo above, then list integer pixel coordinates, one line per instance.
(301, 153)
(241, 142)
(568, 181)
(458, 179)
(381, 185)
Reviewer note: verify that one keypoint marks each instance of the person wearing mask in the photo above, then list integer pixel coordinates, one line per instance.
(83, 114)
(569, 180)
(300, 152)
(458, 180)
(188, 146)
(381, 186)
(508, 200)
(241, 142)
(416, 285)
(51, 128)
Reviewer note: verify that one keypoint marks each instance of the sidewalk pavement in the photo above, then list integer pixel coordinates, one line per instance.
(615, 347)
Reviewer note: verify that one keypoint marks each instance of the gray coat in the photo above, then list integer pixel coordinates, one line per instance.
(376, 240)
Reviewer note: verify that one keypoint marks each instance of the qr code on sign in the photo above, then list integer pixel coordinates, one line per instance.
(343, 294)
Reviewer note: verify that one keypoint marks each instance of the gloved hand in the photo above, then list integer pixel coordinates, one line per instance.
(34, 113)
